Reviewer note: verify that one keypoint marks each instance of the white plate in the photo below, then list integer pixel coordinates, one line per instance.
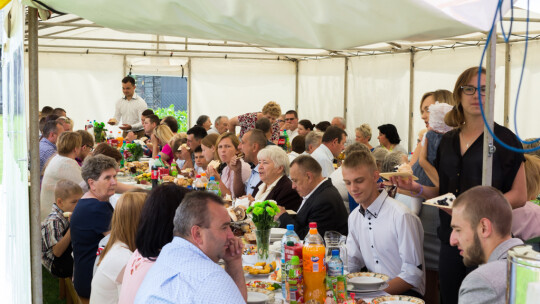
(397, 300)
(259, 296)
(365, 282)
(364, 289)
(277, 232)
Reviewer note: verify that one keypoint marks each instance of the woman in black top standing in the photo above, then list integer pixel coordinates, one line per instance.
(459, 165)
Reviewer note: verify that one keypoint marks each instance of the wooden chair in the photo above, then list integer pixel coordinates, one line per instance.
(69, 292)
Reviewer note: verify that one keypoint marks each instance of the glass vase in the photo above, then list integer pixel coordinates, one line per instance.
(263, 244)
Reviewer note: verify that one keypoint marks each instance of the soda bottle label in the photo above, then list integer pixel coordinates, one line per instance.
(155, 174)
(314, 263)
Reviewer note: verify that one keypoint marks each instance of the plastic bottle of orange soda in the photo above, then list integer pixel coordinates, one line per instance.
(314, 269)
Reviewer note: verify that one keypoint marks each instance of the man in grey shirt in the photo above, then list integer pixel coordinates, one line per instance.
(481, 227)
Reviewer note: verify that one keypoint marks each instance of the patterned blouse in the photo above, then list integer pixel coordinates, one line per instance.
(247, 122)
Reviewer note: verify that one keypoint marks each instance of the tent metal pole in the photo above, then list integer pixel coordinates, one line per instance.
(189, 92)
(35, 228)
(125, 66)
(155, 55)
(345, 90)
(168, 51)
(489, 148)
(411, 99)
(296, 80)
(507, 84)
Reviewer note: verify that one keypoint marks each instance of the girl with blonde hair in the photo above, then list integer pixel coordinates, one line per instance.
(162, 136)
(107, 281)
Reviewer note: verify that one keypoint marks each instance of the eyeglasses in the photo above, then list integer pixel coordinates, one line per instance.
(287, 119)
(90, 149)
(470, 90)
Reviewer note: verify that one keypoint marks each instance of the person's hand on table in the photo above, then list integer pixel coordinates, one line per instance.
(281, 211)
(131, 136)
(125, 127)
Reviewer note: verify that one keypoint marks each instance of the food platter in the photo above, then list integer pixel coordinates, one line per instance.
(388, 175)
(437, 205)
(397, 300)
(259, 296)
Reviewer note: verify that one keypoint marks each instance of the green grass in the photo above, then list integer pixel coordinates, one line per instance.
(51, 291)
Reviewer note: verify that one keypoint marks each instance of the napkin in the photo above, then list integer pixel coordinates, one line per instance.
(242, 202)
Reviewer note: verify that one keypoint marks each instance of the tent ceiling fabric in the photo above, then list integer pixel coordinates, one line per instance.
(318, 24)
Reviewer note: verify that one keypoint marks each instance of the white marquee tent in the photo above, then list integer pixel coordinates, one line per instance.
(368, 61)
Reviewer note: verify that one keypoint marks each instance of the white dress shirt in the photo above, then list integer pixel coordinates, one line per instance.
(292, 156)
(213, 130)
(253, 180)
(325, 158)
(305, 198)
(337, 181)
(130, 111)
(387, 238)
(292, 134)
(264, 190)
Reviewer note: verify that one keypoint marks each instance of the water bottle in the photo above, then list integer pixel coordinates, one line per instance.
(289, 236)
(335, 264)
(212, 186)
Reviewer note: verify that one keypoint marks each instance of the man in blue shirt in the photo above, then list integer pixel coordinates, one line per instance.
(47, 144)
(186, 270)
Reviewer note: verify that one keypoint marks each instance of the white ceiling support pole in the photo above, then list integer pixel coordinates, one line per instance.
(345, 95)
(507, 84)
(411, 100)
(489, 148)
(296, 83)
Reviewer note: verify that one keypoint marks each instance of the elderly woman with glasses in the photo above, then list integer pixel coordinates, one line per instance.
(275, 183)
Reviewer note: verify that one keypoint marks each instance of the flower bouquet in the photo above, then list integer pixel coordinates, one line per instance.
(262, 214)
(134, 153)
(99, 132)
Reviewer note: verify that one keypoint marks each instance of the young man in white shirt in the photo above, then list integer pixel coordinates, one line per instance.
(384, 235)
(129, 108)
(333, 142)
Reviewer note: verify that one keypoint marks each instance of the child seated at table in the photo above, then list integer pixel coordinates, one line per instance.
(200, 161)
(177, 142)
(55, 233)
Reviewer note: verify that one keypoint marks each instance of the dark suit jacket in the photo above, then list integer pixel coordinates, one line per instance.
(283, 194)
(325, 207)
